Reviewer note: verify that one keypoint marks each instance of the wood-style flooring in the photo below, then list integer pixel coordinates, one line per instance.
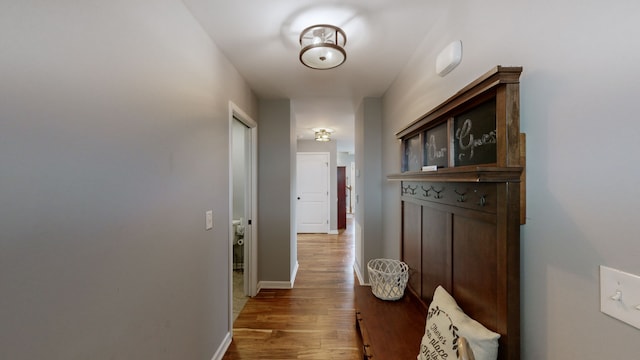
(315, 319)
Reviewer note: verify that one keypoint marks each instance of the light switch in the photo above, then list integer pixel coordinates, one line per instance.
(620, 295)
(209, 220)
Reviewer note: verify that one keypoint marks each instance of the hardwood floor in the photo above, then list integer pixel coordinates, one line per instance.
(315, 319)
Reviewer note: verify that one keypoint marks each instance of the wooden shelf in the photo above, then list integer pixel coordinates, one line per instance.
(473, 174)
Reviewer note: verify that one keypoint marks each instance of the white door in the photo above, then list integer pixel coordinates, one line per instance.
(312, 192)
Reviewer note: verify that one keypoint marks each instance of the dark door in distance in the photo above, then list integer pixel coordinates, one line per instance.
(342, 197)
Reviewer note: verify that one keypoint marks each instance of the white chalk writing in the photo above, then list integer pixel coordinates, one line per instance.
(467, 142)
(432, 151)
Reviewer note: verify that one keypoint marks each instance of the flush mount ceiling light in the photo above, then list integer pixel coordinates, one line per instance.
(322, 47)
(323, 134)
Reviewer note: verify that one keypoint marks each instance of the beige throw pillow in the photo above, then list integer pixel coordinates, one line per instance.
(446, 323)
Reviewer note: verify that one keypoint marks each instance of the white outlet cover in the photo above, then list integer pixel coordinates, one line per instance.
(209, 220)
(627, 286)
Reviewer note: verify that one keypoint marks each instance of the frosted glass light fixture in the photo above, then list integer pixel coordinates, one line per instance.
(323, 134)
(322, 47)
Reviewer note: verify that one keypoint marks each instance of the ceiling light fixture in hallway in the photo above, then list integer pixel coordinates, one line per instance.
(323, 47)
(323, 134)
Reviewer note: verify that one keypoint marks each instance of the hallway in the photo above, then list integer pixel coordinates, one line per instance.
(315, 319)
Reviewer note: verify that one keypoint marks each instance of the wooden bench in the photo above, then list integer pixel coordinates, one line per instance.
(390, 330)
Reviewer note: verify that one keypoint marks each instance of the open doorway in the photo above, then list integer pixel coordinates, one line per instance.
(242, 212)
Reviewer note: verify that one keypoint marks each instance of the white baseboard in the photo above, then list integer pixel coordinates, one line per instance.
(356, 268)
(222, 349)
(294, 273)
(280, 284)
(274, 285)
(333, 232)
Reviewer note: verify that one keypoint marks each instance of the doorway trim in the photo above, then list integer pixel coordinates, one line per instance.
(251, 242)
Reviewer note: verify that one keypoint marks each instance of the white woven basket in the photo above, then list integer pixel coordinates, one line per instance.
(388, 278)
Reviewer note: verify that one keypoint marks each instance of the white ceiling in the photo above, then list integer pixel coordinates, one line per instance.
(260, 37)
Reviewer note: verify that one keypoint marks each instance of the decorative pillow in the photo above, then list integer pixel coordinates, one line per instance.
(446, 323)
(465, 351)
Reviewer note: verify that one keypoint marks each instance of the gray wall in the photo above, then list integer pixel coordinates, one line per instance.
(579, 95)
(368, 185)
(113, 144)
(277, 251)
(331, 148)
(345, 159)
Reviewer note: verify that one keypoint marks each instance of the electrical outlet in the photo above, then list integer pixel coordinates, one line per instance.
(208, 219)
(620, 295)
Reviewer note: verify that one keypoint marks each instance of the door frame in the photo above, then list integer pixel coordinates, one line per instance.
(251, 210)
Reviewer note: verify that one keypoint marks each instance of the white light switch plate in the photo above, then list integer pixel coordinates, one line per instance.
(209, 220)
(620, 295)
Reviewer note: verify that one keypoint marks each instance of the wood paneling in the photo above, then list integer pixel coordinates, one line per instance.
(412, 245)
(475, 272)
(436, 251)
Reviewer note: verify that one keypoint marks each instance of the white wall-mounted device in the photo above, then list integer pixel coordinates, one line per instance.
(620, 295)
(449, 58)
(208, 215)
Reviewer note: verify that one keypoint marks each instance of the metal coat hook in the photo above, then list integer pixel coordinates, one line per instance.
(437, 196)
(460, 195)
(409, 190)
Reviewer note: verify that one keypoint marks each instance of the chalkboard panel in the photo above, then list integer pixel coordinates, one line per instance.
(436, 146)
(475, 135)
(412, 153)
